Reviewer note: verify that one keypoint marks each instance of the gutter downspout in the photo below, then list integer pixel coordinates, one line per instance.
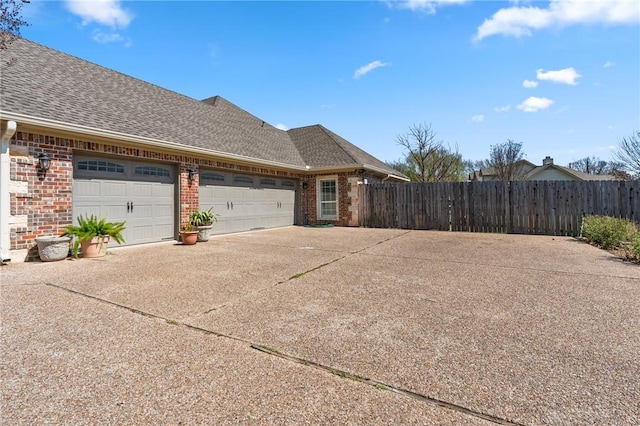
(388, 177)
(5, 196)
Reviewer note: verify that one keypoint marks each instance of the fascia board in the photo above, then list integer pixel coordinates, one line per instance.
(157, 143)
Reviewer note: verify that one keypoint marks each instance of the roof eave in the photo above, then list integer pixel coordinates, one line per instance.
(368, 167)
(108, 134)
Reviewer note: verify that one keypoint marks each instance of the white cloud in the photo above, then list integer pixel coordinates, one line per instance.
(502, 108)
(428, 6)
(529, 84)
(608, 64)
(104, 38)
(477, 118)
(281, 127)
(368, 68)
(521, 21)
(565, 76)
(534, 104)
(104, 12)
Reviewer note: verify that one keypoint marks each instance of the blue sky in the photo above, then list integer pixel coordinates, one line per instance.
(562, 77)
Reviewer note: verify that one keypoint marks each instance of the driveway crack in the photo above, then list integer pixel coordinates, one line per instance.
(271, 351)
(383, 386)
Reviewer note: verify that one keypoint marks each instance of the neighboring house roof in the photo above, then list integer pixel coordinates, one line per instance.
(576, 175)
(533, 172)
(42, 86)
(322, 148)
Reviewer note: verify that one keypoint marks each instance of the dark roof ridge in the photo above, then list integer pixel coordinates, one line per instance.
(213, 101)
(330, 134)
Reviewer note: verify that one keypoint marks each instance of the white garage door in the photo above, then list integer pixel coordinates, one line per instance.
(142, 194)
(244, 202)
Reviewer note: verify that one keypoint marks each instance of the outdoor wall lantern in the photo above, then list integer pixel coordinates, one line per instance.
(191, 174)
(44, 163)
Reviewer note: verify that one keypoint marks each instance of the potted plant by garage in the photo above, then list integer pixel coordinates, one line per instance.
(202, 221)
(189, 235)
(92, 234)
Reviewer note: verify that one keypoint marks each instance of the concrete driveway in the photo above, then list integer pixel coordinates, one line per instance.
(325, 326)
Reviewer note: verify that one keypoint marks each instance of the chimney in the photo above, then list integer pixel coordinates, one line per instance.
(547, 161)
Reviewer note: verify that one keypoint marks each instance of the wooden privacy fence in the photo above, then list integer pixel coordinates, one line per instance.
(521, 207)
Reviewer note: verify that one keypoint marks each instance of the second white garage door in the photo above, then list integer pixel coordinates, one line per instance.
(244, 202)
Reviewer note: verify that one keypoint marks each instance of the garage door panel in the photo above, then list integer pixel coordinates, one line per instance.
(241, 208)
(88, 209)
(115, 212)
(113, 189)
(86, 188)
(163, 191)
(163, 232)
(143, 211)
(142, 232)
(141, 189)
(147, 206)
(164, 210)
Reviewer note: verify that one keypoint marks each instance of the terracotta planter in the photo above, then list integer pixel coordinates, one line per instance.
(53, 248)
(189, 237)
(204, 232)
(95, 247)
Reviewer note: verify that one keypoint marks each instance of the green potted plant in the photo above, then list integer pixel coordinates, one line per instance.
(189, 234)
(202, 220)
(92, 234)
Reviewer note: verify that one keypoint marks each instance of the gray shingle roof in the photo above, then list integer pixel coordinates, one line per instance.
(321, 147)
(46, 84)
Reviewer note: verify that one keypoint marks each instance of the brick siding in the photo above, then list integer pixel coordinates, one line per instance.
(43, 208)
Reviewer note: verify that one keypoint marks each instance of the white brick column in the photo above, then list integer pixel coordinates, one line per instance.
(8, 130)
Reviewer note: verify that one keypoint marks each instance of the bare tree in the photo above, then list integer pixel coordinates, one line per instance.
(596, 166)
(427, 159)
(10, 21)
(471, 166)
(505, 159)
(589, 165)
(628, 153)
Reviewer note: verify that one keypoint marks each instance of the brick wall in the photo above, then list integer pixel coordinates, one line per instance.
(39, 207)
(347, 199)
(43, 208)
(189, 195)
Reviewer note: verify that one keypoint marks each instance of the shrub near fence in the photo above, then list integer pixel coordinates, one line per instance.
(523, 207)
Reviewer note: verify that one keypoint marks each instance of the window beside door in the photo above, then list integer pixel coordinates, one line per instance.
(328, 198)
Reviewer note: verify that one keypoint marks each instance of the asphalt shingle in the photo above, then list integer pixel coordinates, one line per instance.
(43, 83)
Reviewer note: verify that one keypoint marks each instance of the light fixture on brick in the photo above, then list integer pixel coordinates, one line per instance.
(44, 163)
(192, 174)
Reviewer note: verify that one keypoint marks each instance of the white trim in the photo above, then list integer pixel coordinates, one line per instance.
(354, 167)
(92, 131)
(5, 197)
(319, 180)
